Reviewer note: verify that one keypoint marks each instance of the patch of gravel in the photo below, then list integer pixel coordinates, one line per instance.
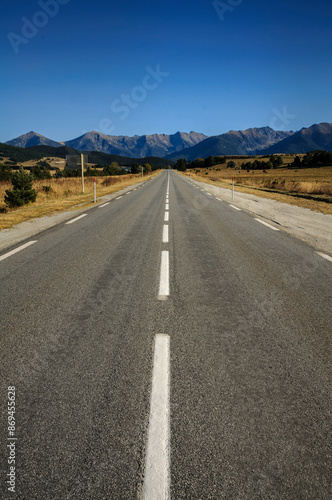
(28, 229)
(312, 227)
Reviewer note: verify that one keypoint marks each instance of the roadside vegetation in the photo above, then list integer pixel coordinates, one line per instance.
(302, 180)
(51, 194)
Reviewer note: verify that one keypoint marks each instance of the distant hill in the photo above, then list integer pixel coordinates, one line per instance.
(317, 136)
(22, 155)
(243, 142)
(32, 139)
(138, 146)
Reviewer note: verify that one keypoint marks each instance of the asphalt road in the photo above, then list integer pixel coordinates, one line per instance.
(247, 318)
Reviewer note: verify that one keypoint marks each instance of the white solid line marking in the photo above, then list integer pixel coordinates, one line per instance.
(166, 219)
(239, 209)
(77, 218)
(157, 465)
(165, 233)
(164, 275)
(105, 205)
(267, 225)
(8, 254)
(167, 206)
(325, 256)
(119, 197)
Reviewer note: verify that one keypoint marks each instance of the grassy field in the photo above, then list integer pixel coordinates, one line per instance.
(64, 194)
(309, 188)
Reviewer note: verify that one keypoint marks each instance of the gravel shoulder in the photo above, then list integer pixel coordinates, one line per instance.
(311, 227)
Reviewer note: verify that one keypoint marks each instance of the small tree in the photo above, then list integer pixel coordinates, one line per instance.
(22, 192)
(5, 172)
(297, 162)
(134, 168)
(147, 167)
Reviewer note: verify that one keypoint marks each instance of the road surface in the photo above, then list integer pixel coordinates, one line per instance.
(166, 345)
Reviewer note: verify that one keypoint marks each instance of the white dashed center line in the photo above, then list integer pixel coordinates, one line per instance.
(166, 219)
(165, 233)
(157, 466)
(164, 276)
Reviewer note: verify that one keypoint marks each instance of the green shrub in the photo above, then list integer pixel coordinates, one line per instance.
(22, 192)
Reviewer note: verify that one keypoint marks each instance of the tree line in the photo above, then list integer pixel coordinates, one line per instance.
(312, 159)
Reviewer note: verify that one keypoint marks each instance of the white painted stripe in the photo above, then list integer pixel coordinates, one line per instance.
(105, 205)
(167, 206)
(157, 465)
(164, 275)
(325, 256)
(267, 225)
(166, 219)
(165, 233)
(239, 209)
(77, 218)
(129, 192)
(209, 194)
(218, 198)
(119, 197)
(12, 252)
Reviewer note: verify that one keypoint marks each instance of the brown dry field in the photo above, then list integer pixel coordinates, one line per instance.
(283, 184)
(66, 193)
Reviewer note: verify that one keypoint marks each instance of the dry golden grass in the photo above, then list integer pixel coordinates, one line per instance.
(65, 194)
(282, 184)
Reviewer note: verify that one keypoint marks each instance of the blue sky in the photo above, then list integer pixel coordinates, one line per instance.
(126, 68)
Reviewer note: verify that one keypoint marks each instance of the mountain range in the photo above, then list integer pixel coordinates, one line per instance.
(242, 142)
(253, 141)
(134, 147)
